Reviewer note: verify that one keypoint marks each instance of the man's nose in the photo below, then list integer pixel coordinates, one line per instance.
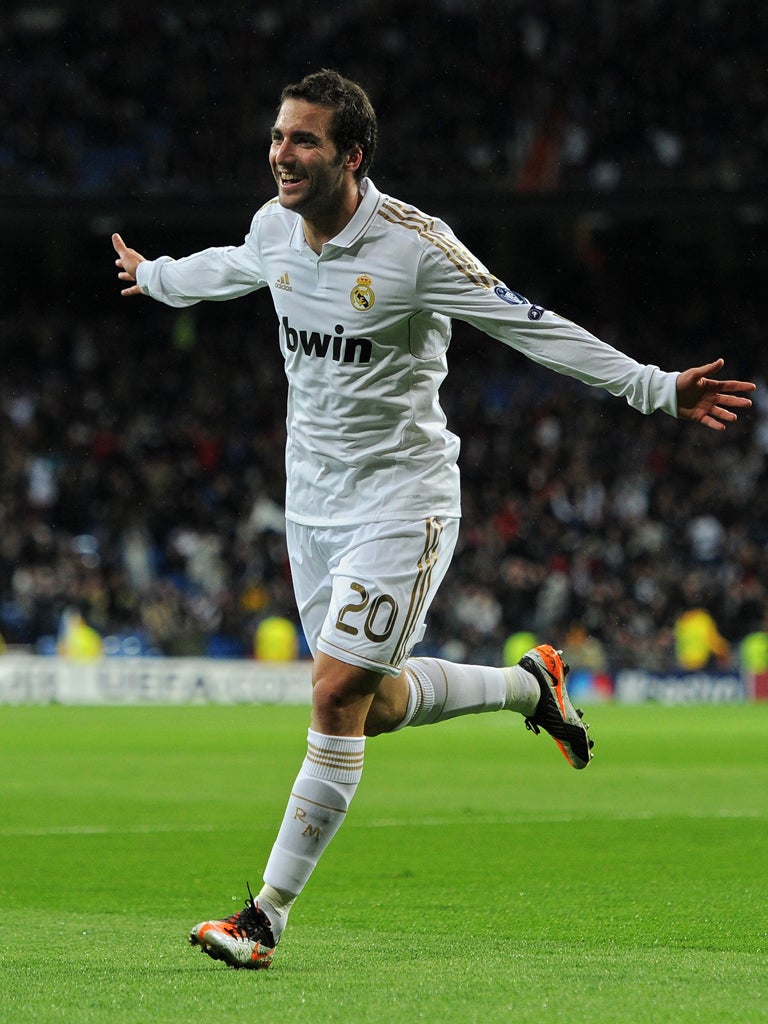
(283, 151)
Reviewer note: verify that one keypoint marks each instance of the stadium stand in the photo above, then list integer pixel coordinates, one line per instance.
(177, 97)
(615, 155)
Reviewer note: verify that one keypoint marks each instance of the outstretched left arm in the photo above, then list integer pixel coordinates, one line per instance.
(709, 401)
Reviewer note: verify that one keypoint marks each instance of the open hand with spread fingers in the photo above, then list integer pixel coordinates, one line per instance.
(708, 401)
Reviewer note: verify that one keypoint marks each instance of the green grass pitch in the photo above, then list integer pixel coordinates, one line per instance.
(478, 878)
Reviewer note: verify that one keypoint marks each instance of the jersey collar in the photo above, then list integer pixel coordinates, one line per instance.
(356, 227)
(363, 216)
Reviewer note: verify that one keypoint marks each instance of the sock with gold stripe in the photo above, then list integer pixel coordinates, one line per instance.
(321, 794)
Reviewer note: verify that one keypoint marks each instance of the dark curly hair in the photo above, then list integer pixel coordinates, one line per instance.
(354, 119)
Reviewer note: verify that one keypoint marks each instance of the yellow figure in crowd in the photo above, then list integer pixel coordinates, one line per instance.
(276, 640)
(78, 641)
(698, 641)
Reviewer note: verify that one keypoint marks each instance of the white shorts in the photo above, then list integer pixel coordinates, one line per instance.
(363, 592)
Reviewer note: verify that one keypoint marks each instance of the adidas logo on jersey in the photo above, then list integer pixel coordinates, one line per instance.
(284, 282)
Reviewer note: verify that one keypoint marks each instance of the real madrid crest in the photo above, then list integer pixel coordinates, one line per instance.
(361, 296)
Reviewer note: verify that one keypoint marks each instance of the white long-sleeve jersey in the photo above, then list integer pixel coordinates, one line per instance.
(364, 329)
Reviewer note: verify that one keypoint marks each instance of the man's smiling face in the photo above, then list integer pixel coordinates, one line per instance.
(306, 165)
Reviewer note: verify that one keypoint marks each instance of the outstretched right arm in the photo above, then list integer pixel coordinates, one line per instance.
(217, 273)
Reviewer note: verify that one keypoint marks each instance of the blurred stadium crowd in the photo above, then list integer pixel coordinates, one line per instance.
(141, 473)
(141, 483)
(178, 97)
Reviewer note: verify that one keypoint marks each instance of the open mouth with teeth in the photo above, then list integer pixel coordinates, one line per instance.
(288, 180)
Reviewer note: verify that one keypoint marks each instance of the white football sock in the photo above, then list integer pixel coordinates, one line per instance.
(321, 794)
(440, 690)
(523, 690)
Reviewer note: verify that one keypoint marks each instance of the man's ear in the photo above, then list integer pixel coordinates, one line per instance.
(353, 158)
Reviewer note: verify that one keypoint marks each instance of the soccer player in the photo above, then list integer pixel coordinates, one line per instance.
(365, 287)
